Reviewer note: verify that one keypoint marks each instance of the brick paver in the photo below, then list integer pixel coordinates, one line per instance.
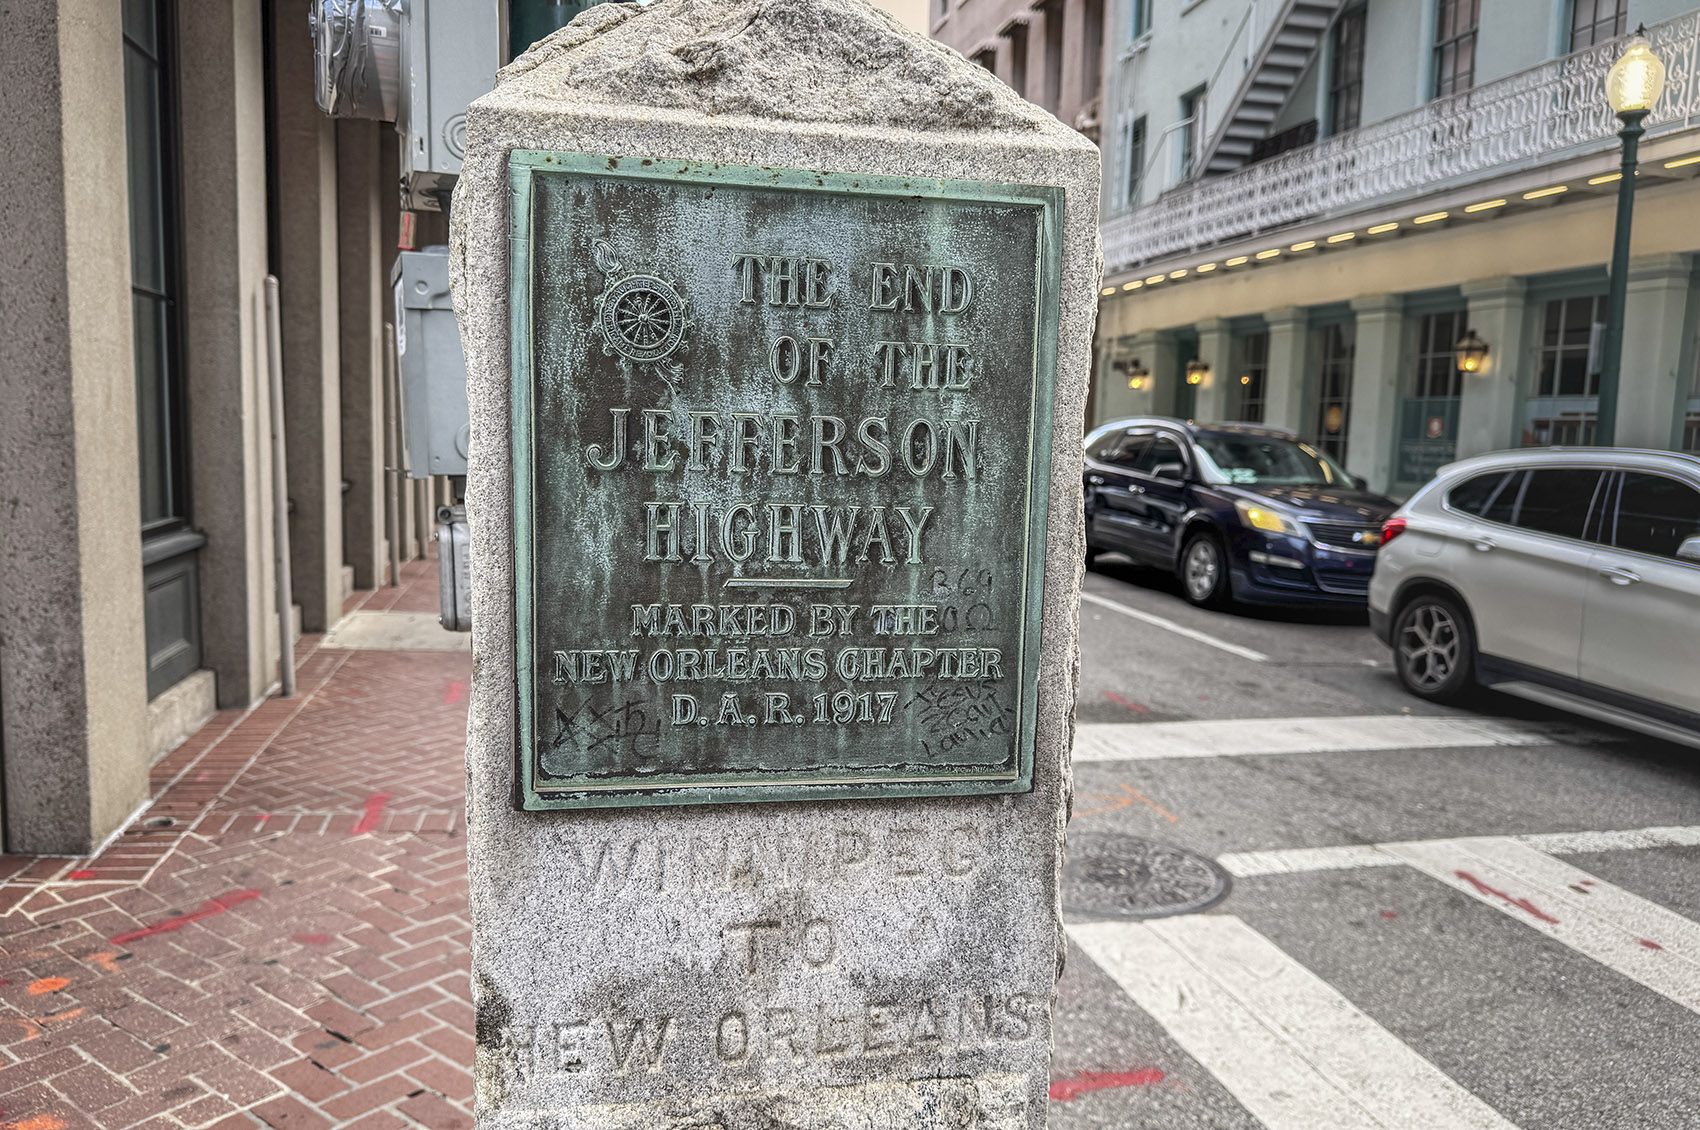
(280, 940)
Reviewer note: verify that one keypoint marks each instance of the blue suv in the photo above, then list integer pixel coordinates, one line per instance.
(1236, 511)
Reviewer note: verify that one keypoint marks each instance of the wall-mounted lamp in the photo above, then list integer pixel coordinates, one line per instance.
(1138, 376)
(1196, 371)
(1471, 351)
(1245, 380)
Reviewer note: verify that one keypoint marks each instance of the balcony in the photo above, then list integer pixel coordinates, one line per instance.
(1551, 112)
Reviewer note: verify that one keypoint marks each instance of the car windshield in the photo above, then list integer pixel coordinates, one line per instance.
(1269, 460)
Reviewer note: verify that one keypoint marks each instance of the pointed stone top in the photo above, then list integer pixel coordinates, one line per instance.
(819, 61)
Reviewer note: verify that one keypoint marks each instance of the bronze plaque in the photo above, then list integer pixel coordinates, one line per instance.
(781, 451)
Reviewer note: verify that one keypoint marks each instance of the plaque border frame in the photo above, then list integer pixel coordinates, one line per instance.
(658, 789)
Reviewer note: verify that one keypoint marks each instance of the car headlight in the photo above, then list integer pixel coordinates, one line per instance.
(1256, 517)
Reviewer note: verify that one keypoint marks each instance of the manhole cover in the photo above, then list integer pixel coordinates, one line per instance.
(1117, 876)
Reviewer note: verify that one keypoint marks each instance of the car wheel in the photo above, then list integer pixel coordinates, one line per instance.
(1434, 650)
(1204, 571)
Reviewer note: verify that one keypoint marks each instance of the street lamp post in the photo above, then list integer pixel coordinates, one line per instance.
(1633, 86)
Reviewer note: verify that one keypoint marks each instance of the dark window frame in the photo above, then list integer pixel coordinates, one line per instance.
(1192, 134)
(1454, 51)
(1435, 374)
(1346, 70)
(1136, 134)
(1251, 397)
(174, 370)
(1588, 27)
(1335, 368)
(1138, 18)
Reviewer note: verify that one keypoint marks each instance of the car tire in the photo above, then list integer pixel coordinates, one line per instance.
(1204, 571)
(1434, 648)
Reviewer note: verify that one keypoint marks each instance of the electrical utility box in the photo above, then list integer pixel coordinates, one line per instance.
(450, 50)
(435, 422)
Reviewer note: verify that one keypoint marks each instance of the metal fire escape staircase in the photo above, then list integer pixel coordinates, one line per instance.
(1272, 68)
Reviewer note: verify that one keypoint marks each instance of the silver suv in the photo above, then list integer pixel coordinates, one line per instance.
(1566, 576)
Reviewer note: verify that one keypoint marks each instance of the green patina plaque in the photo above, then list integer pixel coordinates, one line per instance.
(781, 448)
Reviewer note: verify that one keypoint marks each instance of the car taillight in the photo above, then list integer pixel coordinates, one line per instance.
(1391, 529)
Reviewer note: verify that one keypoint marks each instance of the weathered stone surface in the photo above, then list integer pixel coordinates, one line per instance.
(787, 60)
(856, 964)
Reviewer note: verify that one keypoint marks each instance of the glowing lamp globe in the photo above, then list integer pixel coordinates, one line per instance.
(1636, 80)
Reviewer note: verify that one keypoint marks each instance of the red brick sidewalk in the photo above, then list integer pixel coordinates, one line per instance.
(281, 939)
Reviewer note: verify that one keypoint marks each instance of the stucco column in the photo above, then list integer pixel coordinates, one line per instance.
(73, 658)
(222, 114)
(1284, 387)
(363, 283)
(307, 278)
(1374, 415)
(1070, 96)
(1216, 349)
(1652, 390)
(1038, 77)
(1488, 403)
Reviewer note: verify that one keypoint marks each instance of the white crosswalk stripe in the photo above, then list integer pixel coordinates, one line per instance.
(1287, 1046)
(1292, 861)
(1627, 933)
(1151, 741)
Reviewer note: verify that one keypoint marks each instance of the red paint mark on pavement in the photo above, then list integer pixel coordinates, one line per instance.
(1390, 914)
(1067, 1090)
(209, 908)
(107, 961)
(1520, 903)
(456, 691)
(373, 809)
(313, 939)
(1133, 706)
(47, 985)
(84, 874)
(1651, 944)
(37, 1122)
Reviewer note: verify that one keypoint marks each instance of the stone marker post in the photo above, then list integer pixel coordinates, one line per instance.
(778, 323)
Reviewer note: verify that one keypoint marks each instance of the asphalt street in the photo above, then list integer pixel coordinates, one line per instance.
(1435, 918)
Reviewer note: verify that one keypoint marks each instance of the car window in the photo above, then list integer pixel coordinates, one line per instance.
(1503, 504)
(1475, 495)
(1656, 514)
(1161, 450)
(1130, 452)
(1104, 446)
(1246, 458)
(1556, 500)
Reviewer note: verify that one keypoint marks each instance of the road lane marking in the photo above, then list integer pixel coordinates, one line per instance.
(1291, 861)
(1287, 1046)
(1368, 733)
(1178, 629)
(1638, 938)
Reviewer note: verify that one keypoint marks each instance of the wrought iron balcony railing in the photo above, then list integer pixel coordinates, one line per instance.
(1553, 111)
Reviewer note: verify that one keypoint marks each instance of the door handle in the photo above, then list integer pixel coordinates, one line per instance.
(1485, 545)
(1620, 576)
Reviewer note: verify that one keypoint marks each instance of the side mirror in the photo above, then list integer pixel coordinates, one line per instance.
(1174, 472)
(1689, 550)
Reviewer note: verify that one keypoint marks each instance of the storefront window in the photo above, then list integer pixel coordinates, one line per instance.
(1252, 378)
(1337, 346)
(1566, 397)
(1428, 421)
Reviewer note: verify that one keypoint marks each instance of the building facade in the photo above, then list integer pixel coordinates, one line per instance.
(1309, 203)
(161, 159)
(1051, 52)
